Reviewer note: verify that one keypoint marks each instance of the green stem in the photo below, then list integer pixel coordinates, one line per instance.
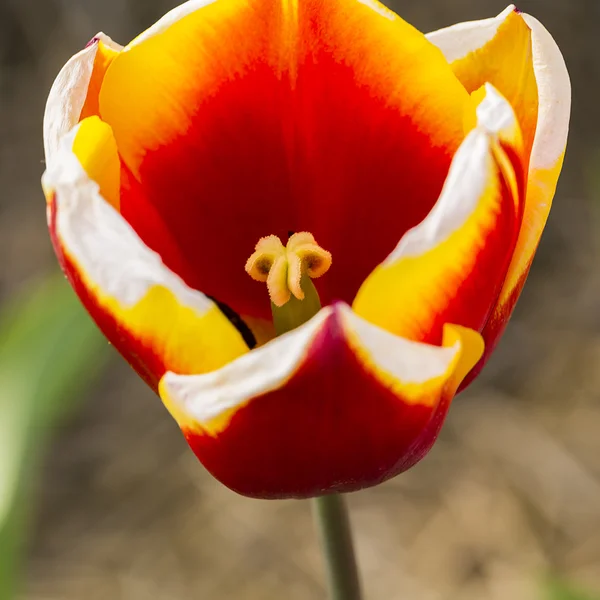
(333, 524)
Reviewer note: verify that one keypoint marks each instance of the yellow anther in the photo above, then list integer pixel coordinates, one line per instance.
(314, 259)
(267, 250)
(283, 267)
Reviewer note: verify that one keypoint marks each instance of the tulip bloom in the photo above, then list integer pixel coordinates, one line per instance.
(294, 138)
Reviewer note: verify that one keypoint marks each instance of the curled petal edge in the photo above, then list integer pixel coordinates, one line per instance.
(69, 92)
(458, 40)
(151, 316)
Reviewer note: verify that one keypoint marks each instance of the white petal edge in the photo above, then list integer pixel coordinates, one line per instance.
(466, 182)
(554, 93)
(174, 15)
(552, 77)
(107, 249)
(458, 40)
(207, 396)
(67, 95)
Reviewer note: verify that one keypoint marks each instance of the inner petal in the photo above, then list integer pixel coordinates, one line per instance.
(239, 120)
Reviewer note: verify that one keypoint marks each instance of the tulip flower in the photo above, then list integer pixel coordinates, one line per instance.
(305, 224)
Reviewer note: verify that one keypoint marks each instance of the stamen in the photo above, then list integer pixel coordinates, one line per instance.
(294, 275)
(316, 260)
(282, 267)
(287, 271)
(261, 262)
(276, 282)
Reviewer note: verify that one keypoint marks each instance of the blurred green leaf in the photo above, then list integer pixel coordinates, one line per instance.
(49, 351)
(557, 589)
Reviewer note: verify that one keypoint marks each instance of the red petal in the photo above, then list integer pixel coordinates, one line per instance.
(241, 120)
(335, 405)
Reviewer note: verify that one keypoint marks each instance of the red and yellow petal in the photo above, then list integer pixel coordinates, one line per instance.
(479, 50)
(554, 90)
(450, 268)
(74, 94)
(146, 311)
(243, 119)
(337, 404)
(496, 51)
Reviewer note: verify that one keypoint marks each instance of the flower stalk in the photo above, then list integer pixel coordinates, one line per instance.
(335, 534)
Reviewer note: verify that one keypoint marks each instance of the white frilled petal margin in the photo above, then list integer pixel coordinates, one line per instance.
(68, 94)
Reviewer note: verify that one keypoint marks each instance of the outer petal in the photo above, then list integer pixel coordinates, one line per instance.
(450, 268)
(547, 155)
(467, 41)
(155, 320)
(74, 93)
(496, 51)
(337, 404)
(240, 119)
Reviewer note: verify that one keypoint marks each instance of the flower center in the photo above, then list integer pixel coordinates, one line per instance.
(287, 271)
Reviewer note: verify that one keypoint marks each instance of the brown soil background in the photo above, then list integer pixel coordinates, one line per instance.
(510, 492)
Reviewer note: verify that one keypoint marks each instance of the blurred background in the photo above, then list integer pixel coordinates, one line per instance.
(100, 497)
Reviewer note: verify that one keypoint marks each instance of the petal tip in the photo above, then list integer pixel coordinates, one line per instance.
(471, 345)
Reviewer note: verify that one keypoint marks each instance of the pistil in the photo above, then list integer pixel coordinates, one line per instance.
(288, 271)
